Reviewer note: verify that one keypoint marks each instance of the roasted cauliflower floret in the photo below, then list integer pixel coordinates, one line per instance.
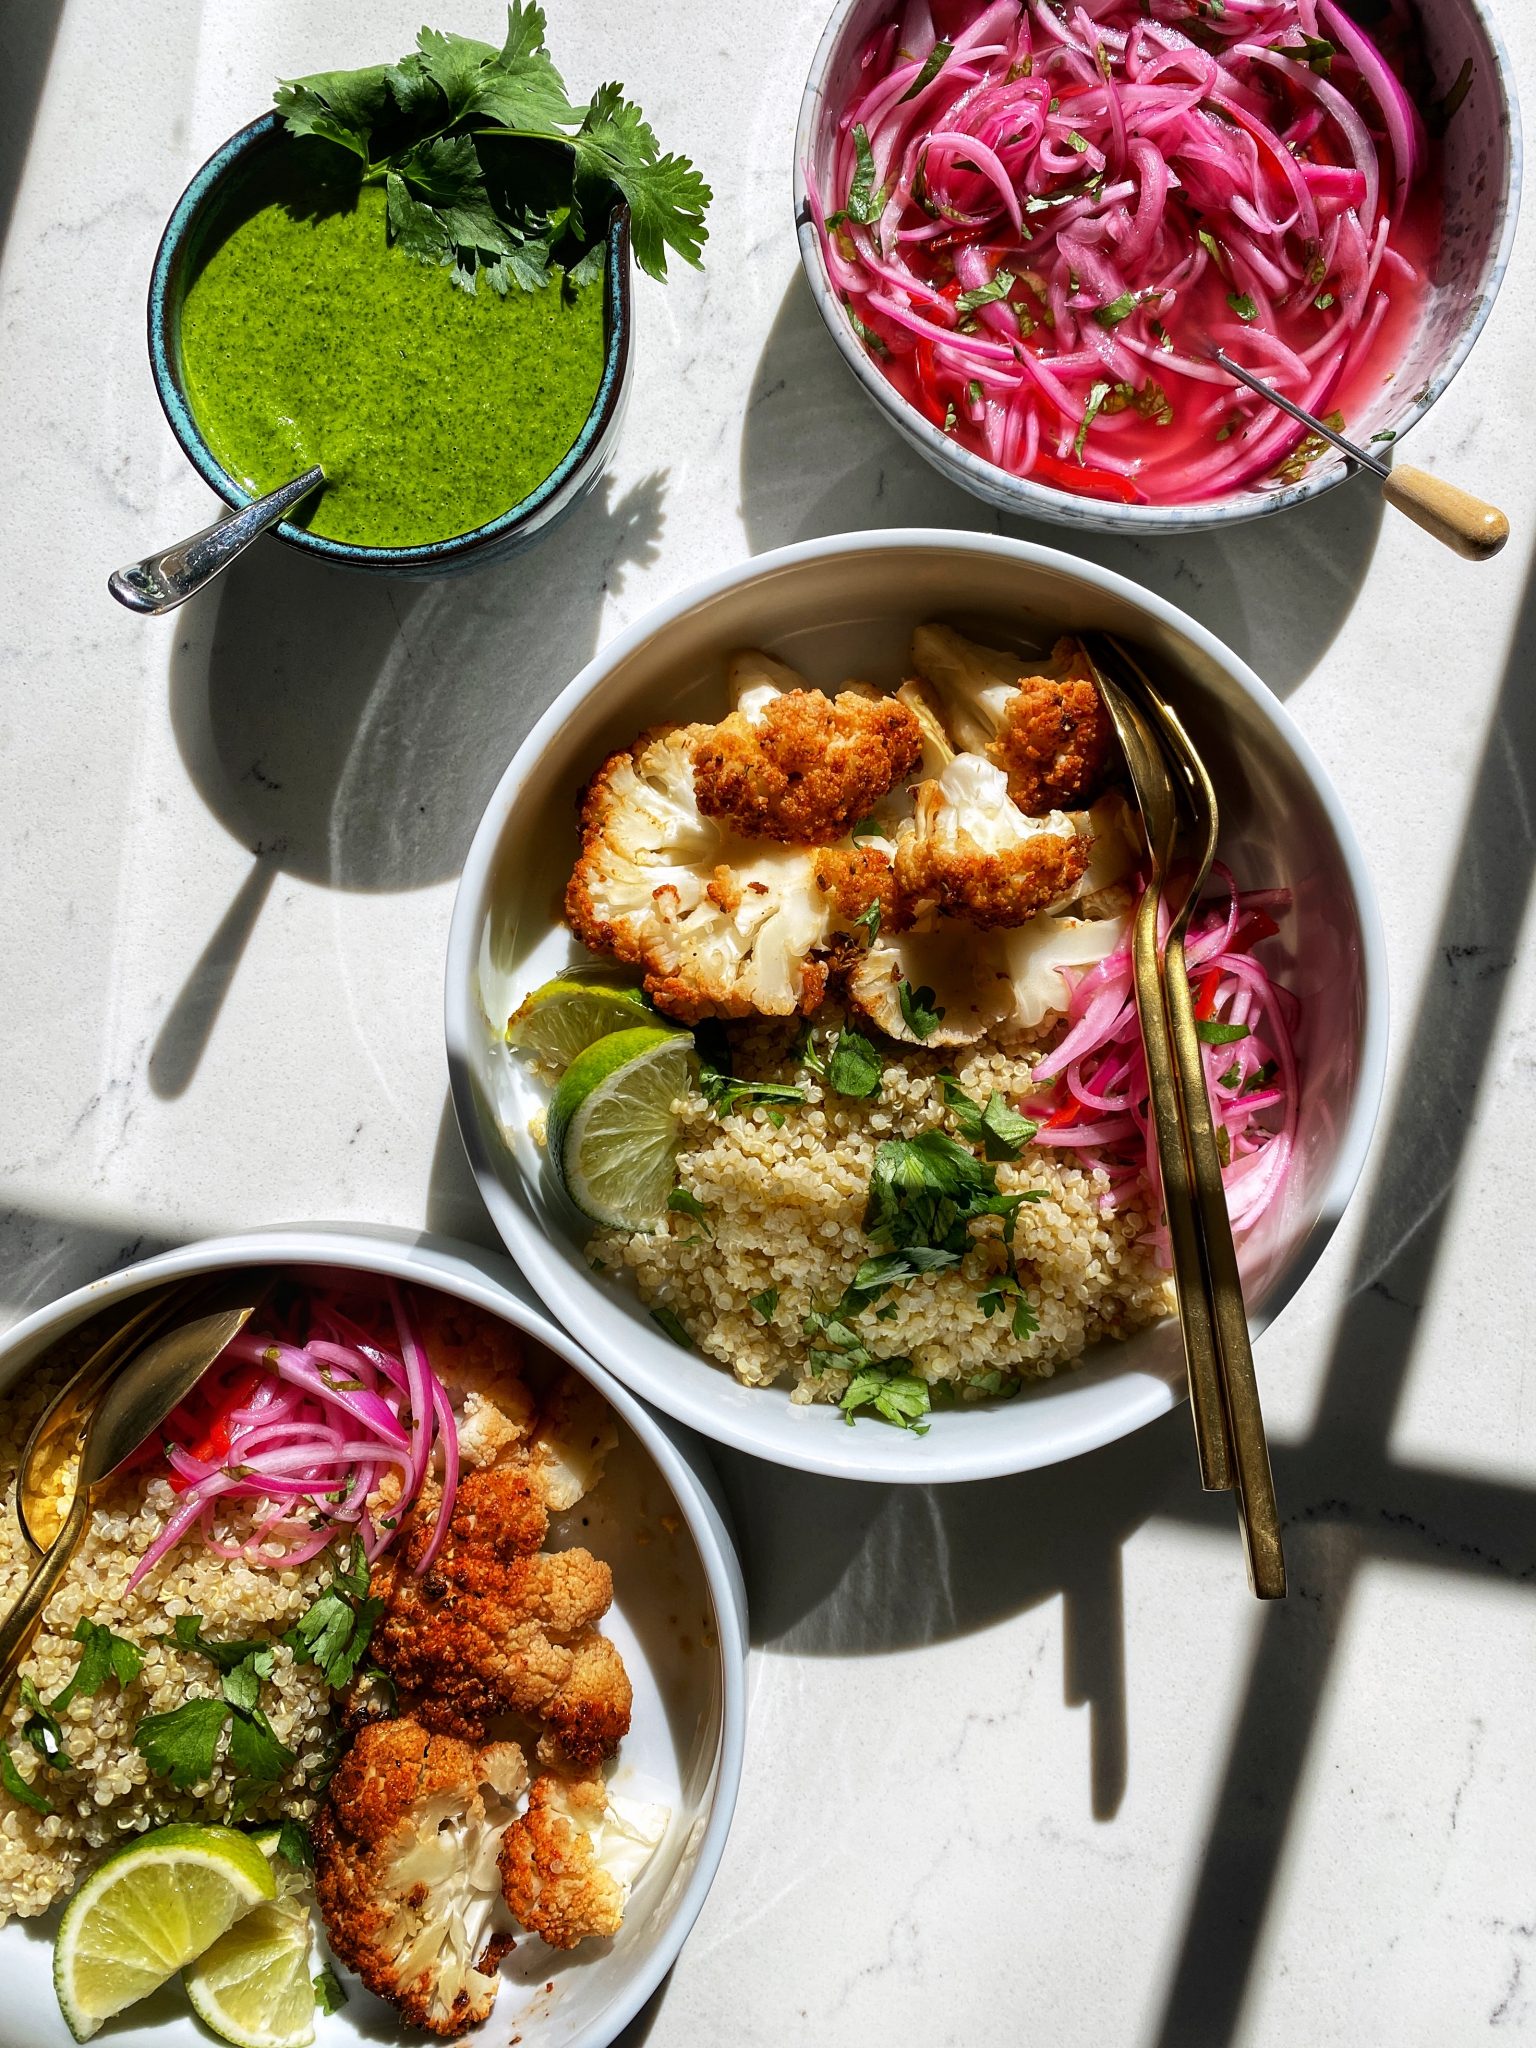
(754, 679)
(854, 877)
(719, 927)
(964, 973)
(808, 767)
(969, 851)
(1041, 954)
(568, 1863)
(496, 1625)
(479, 1363)
(570, 1446)
(1048, 732)
(406, 1869)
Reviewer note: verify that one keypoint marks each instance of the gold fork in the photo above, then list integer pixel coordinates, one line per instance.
(1229, 1424)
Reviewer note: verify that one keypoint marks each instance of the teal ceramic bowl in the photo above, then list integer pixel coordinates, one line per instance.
(197, 215)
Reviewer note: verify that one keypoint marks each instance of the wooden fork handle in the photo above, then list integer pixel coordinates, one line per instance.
(1452, 515)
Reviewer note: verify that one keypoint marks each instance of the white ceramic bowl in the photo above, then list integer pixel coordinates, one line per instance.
(679, 1619)
(1482, 194)
(846, 606)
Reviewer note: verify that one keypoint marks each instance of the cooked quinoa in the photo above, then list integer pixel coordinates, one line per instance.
(785, 1206)
(109, 1793)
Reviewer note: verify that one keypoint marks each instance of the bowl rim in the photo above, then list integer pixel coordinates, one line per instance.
(566, 1295)
(488, 1280)
(1021, 495)
(529, 512)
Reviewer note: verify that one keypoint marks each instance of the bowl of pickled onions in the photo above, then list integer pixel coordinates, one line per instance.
(1029, 223)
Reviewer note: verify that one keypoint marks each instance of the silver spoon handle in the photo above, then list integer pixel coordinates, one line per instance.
(161, 582)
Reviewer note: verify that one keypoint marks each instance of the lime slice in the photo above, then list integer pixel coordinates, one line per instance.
(612, 1127)
(563, 1018)
(253, 1987)
(148, 1910)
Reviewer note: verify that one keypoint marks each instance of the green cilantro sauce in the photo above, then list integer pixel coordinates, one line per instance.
(306, 338)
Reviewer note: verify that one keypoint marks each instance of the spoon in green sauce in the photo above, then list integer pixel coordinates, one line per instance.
(161, 582)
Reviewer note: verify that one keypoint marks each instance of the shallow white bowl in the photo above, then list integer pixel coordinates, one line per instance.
(841, 607)
(1482, 168)
(679, 1617)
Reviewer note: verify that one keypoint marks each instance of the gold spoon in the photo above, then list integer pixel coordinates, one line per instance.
(41, 1504)
(133, 1406)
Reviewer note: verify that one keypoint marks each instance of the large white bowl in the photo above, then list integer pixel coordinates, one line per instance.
(1482, 166)
(679, 1617)
(841, 607)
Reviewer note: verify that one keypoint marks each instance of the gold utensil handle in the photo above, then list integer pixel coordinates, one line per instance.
(20, 1624)
(1452, 515)
(1200, 1339)
(1260, 1515)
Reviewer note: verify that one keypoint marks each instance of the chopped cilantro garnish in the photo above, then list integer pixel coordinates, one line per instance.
(866, 828)
(1007, 1288)
(293, 1845)
(919, 1011)
(1385, 434)
(896, 1396)
(17, 1786)
(1316, 51)
(1077, 142)
(937, 58)
(725, 1094)
(865, 204)
(1242, 305)
(1209, 1032)
(1096, 396)
(41, 1727)
(766, 1303)
(1000, 1131)
(330, 1992)
(986, 294)
(868, 921)
(183, 1744)
(926, 1192)
(668, 1320)
(1212, 248)
(419, 126)
(1323, 301)
(103, 1655)
(1153, 403)
(682, 1203)
(855, 1068)
(335, 1631)
(866, 334)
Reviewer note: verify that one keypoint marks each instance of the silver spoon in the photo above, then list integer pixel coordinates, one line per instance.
(161, 582)
(1455, 518)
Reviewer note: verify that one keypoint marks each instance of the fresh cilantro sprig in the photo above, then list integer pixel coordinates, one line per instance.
(896, 1396)
(183, 1744)
(103, 1656)
(419, 128)
(334, 1631)
(921, 1014)
(725, 1094)
(927, 1191)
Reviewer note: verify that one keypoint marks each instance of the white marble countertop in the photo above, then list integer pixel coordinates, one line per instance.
(1025, 1760)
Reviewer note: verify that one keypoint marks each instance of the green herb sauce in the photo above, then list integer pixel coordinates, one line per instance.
(306, 338)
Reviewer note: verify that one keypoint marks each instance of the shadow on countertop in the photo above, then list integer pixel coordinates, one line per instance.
(349, 729)
(30, 33)
(817, 457)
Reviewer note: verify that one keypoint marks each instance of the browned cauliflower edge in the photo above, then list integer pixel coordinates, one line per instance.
(808, 768)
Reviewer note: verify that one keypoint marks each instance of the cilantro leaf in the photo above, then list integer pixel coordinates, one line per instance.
(330, 1992)
(336, 1628)
(766, 1303)
(891, 1269)
(183, 1744)
(103, 1656)
(1000, 1131)
(339, 106)
(1097, 393)
(725, 1094)
(936, 59)
(671, 1322)
(17, 1786)
(896, 1396)
(920, 1013)
(926, 1191)
(865, 204)
(986, 294)
(294, 1845)
(868, 920)
(255, 1751)
(855, 1068)
(444, 175)
(873, 342)
(667, 196)
(187, 1634)
(1242, 305)
(682, 1203)
(1209, 1032)
(41, 1727)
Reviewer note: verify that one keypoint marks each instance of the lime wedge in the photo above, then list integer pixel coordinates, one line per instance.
(253, 1987)
(613, 1129)
(149, 1909)
(563, 1018)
